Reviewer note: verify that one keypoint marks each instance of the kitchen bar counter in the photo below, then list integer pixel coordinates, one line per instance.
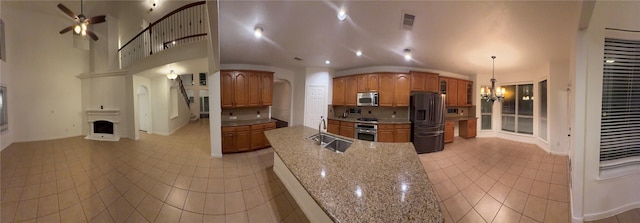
(246, 122)
(370, 182)
(380, 120)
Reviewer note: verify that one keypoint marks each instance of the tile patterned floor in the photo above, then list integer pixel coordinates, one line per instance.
(494, 180)
(155, 179)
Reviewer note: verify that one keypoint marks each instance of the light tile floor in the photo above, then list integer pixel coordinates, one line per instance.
(495, 180)
(155, 179)
(173, 179)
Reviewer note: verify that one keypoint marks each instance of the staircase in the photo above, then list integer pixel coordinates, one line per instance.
(184, 92)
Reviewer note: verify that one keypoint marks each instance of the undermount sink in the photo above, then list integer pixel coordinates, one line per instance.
(333, 143)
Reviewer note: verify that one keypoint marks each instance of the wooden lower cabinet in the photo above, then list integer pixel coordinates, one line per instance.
(347, 129)
(334, 127)
(448, 131)
(245, 138)
(468, 128)
(394, 133)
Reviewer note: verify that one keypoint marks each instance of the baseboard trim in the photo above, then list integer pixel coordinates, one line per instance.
(611, 212)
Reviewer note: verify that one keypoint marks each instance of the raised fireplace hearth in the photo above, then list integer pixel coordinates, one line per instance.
(103, 124)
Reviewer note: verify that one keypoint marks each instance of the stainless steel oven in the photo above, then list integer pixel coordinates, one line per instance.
(368, 99)
(366, 131)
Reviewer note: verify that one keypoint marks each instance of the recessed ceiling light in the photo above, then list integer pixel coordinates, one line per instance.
(610, 61)
(257, 32)
(342, 15)
(407, 54)
(327, 62)
(359, 53)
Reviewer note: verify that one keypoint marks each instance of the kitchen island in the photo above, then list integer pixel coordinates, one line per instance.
(370, 182)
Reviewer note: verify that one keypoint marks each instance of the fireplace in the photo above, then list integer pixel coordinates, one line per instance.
(103, 124)
(104, 127)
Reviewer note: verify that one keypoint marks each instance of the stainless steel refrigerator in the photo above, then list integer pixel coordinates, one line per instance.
(426, 113)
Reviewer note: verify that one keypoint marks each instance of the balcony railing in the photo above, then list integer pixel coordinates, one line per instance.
(183, 25)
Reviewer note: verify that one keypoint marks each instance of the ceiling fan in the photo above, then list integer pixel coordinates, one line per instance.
(81, 22)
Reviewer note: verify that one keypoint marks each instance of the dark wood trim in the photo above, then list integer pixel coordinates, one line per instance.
(181, 38)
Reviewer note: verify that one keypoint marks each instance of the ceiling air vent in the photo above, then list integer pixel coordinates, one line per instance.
(407, 20)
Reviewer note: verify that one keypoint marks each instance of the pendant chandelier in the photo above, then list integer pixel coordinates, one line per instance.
(494, 93)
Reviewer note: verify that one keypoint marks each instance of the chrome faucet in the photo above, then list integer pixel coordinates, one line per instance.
(321, 124)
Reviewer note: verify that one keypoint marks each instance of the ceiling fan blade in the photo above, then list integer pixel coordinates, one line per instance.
(67, 11)
(67, 29)
(97, 19)
(92, 35)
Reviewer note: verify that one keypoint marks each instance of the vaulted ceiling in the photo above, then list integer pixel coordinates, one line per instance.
(454, 36)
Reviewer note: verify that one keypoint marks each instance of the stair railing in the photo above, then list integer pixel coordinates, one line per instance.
(183, 25)
(184, 92)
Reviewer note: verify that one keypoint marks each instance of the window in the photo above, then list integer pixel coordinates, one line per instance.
(620, 118)
(173, 102)
(542, 131)
(486, 109)
(204, 101)
(517, 109)
(203, 79)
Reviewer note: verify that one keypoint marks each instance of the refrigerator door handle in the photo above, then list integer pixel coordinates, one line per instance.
(429, 134)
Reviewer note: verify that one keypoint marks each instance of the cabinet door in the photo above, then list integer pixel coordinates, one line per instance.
(243, 140)
(448, 131)
(418, 82)
(257, 139)
(351, 91)
(462, 92)
(452, 84)
(347, 131)
(432, 82)
(373, 82)
(253, 95)
(402, 135)
(469, 93)
(338, 91)
(363, 83)
(386, 92)
(228, 142)
(267, 89)
(402, 90)
(268, 127)
(333, 128)
(472, 128)
(385, 135)
(241, 84)
(226, 89)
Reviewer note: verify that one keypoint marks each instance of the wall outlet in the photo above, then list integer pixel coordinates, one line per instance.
(233, 117)
(393, 116)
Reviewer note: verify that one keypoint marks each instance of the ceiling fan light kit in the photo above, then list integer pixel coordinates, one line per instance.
(81, 26)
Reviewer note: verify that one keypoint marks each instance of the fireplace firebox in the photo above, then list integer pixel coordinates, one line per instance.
(104, 127)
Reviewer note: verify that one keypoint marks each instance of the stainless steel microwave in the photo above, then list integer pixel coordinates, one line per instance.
(368, 99)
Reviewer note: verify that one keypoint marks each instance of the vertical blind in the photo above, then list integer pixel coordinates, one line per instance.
(620, 118)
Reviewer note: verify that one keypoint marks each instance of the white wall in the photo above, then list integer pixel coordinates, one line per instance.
(592, 196)
(213, 54)
(557, 107)
(108, 91)
(299, 83)
(43, 91)
(160, 105)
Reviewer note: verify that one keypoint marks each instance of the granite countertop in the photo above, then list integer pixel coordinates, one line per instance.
(246, 122)
(459, 118)
(380, 120)
(370, 182)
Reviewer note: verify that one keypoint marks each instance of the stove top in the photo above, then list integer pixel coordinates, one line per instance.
(368, 119)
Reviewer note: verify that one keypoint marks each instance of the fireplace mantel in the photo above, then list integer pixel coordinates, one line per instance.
(110, 115)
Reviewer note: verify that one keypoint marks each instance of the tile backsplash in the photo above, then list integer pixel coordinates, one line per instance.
(228, 114)
(377, 112)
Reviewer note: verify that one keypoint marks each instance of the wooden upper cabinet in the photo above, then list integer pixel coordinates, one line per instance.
(449, 87)
(226, 89)
(351, 91)
(465, 93)
(368, 82)
(401, 90)
(432, 82)
(418, 81)
(246, 88)
(266, 89)
(386, 89)
(254, 82)
(339, 89)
